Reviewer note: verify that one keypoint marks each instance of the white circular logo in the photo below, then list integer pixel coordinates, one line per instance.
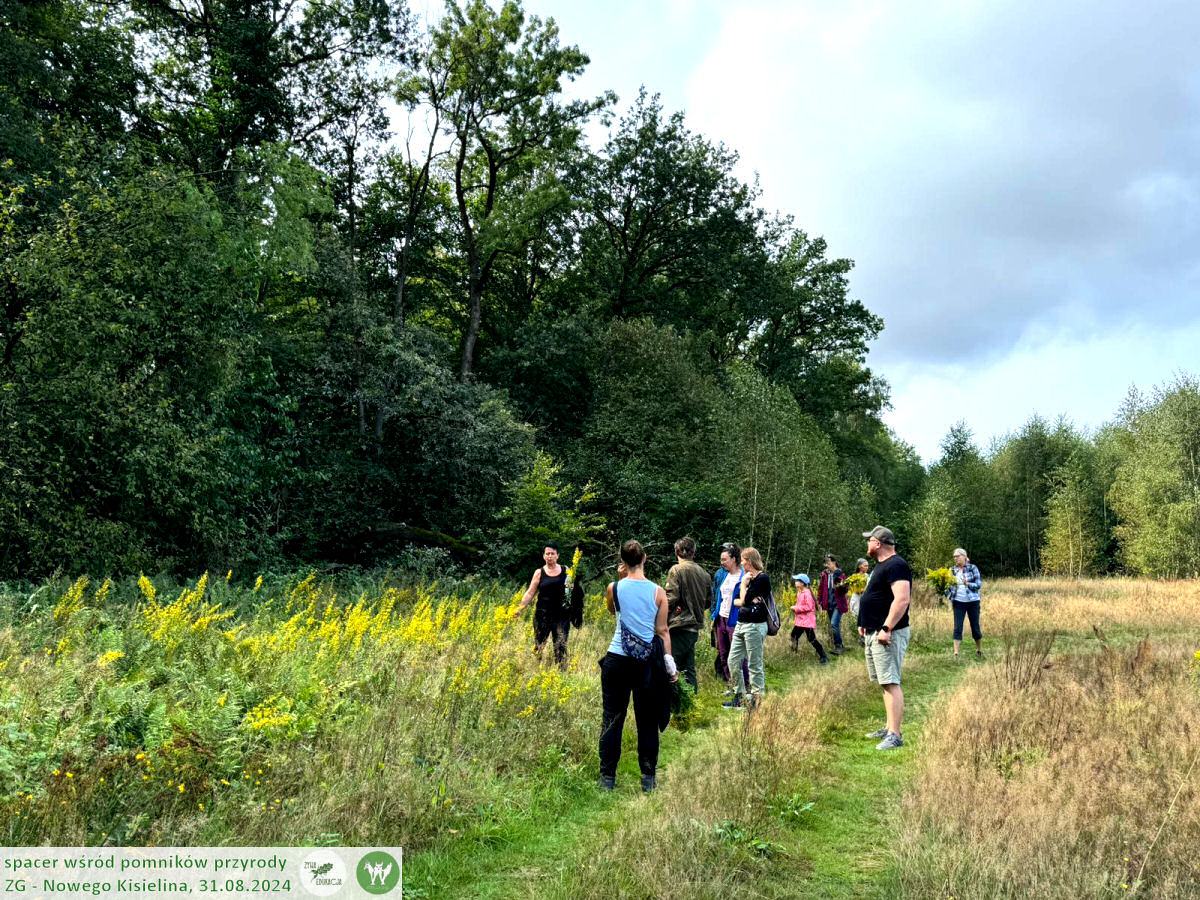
(322, 873)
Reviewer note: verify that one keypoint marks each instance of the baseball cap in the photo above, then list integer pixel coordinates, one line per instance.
(881, 534)
(802, 577)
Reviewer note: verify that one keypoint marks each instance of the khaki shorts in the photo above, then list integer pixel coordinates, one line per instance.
(884, 661)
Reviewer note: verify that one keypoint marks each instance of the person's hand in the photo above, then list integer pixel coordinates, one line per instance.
(862, 632)
(517, 612)
(883, 637)
(622, 571)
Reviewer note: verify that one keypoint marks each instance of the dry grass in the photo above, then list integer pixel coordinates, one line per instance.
(1067, 604)
(1076, 780)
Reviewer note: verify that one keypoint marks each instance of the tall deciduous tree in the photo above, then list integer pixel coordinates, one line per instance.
(1074, 542)
(1157, 488)
(667, 230)
(510, 128)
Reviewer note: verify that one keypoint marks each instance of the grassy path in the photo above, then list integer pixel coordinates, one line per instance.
(856, 790)
(835, 845)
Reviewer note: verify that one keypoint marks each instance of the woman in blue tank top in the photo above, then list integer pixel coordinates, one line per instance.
(641, 609)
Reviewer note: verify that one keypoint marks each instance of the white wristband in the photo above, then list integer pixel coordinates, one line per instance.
(669, 662)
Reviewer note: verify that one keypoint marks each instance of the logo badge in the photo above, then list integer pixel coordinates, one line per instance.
(322, 873)
(378, 872)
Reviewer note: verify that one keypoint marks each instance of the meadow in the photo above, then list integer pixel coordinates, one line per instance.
(309, 710)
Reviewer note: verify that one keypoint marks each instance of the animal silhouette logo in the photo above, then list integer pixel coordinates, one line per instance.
(378, 872)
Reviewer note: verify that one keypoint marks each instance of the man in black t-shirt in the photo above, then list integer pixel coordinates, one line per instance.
(883, 624)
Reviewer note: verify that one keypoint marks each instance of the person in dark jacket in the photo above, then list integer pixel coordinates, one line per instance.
(831, 597)
(688, 597)
(631, 668)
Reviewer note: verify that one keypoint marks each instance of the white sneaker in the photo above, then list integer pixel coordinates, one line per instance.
(891, 742)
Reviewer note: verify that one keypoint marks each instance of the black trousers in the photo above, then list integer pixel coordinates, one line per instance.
(554, 623)
(620, 678)
(971, 611)
(811, 634)
(683, 649)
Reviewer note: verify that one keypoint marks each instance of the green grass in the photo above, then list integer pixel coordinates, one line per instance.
(838, 847)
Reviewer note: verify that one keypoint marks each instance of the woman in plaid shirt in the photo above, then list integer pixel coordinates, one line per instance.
(964, 598)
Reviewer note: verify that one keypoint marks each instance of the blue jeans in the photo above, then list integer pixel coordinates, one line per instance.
(835, 625)
(969, 611)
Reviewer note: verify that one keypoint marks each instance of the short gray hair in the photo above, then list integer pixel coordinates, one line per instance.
(958, 550)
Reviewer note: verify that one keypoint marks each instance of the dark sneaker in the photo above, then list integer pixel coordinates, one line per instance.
(608, 782)
(876, 735)
(891, 742)
(735, 703)
(648, 783)
(824, 660)
(837, 651)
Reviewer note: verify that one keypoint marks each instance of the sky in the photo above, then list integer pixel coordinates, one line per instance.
(1017, 182)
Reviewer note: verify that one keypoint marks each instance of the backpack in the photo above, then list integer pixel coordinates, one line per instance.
(772, 615)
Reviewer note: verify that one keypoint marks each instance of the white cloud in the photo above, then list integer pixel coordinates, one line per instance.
(1028, 173)
(1050, 372)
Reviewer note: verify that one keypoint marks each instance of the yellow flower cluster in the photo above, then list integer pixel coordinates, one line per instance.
(171, 625)
(272, 715)
(107, 659)
(72, 601)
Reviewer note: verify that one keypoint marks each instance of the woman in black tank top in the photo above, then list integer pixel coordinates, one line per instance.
(553, 614)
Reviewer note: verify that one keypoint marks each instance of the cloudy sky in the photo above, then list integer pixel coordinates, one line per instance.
(1017, 181)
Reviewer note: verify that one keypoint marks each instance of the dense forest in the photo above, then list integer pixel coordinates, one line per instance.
(285, 282)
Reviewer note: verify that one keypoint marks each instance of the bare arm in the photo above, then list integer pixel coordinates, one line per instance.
(529, 594)
(608, 599)
(901, 595)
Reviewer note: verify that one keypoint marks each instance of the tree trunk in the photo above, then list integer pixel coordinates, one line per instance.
(472, 335)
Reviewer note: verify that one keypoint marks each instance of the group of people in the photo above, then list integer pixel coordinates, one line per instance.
(657, 629)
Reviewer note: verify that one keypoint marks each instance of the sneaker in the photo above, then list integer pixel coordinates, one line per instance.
(824, 660)
(837, 651)
(876, 735)
(752, 701)
(608, 783)
(735, 703)
(890, 742)
(648, 783)
(979, 655)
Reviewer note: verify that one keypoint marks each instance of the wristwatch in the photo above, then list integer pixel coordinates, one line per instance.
(885, 628)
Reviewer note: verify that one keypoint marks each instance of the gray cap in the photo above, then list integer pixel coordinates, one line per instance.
(802, 577)
(883, 535)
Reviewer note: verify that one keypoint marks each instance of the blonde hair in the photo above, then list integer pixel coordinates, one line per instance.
(753, 558)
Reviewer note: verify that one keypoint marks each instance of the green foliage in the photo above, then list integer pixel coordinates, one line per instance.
(929, 526)
(241, 323)
(1157, 487)
(1073, 543)
(542, 508)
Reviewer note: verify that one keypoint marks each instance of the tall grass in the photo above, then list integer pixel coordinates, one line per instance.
(285, 713)
(1076, 780)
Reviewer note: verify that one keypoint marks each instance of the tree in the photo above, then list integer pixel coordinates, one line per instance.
(930, 525)
(1157, 488)
(232, 75)
(971, 487)
(510, 130)
(666, 229)
(1073, 543)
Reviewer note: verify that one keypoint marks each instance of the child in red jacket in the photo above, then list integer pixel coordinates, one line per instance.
(805, 619)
